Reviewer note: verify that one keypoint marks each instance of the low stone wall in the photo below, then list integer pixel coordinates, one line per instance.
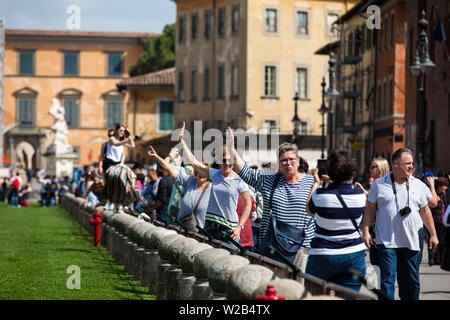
(175, 266)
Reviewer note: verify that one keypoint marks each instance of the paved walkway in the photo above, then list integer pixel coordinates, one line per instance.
(434, 282)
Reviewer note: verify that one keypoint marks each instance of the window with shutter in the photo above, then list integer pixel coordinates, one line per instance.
(114, 113)
(114, 64)
(166, 120)
(26, 62)
(71, 113)
(26, 110)
(71, 64)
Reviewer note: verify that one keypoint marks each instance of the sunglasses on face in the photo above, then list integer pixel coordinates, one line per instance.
(373, 167)
(226, 161)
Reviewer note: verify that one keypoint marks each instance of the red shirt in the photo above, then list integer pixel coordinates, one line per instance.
(246, 233)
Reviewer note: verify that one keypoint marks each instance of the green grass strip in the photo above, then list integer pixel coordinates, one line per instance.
(38, 245)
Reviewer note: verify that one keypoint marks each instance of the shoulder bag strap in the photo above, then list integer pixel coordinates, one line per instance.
(275, 183)
(200, 198)
(347, 211)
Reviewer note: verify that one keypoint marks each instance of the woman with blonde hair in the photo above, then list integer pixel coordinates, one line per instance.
(226, 186)
(379, 167)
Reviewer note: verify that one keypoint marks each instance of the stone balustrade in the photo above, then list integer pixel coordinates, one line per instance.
(175, 266)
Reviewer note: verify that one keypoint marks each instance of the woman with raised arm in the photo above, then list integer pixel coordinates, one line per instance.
(226, 186)
(196, 193)
(285, 225)
(114, 153)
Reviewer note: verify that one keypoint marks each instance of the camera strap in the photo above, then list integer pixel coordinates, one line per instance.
(395, 190)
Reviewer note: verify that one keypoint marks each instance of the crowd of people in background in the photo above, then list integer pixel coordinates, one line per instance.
(323, 222)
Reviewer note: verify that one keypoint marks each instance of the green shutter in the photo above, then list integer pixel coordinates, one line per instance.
(26, 112)
(71, 112)
(114, 113)
(26, 62)
(166, 117)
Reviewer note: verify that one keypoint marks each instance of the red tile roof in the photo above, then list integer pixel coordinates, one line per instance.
(161, 78)
(75, 33)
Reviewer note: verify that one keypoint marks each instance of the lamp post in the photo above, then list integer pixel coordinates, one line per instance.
(419, 67)
(323, 109)
(296, 119)
(331, 94)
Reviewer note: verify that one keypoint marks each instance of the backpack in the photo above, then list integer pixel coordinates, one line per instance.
(16, 184)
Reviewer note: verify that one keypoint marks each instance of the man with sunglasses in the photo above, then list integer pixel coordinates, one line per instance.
(400, 203)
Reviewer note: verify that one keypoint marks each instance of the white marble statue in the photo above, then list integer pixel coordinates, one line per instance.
(60, 144)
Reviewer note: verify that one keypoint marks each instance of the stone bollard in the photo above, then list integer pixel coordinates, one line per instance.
(109, 234)
(221, 270)
(137, 236)
(139, 262)
(288, 288)
(115, 244)
(123, 249)
(173, 253)
(246, 280)
(166, 267)
(201, 289)
(185, 261)
(132, 245)
(105, 228)
(150, 270)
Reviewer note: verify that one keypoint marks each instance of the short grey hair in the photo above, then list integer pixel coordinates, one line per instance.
(285, 147)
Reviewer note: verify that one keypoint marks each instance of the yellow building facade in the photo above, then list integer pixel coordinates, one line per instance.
(150, 109)
(241, 62)
(81, 69)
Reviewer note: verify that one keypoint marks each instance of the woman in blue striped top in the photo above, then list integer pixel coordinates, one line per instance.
(337, 246)
(290, 190)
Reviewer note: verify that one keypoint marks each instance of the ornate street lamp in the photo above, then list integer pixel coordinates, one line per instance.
(332, 91)
(296, 119)
(419, 67)
(323, 109)
(332, 94)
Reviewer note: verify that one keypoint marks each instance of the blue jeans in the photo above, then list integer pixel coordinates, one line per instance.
(335, 268)
(421, 240)
(402, 262)
(14, 198)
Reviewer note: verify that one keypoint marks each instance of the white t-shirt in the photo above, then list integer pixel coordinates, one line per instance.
(224, 198)
(392, 229)
(114, 153)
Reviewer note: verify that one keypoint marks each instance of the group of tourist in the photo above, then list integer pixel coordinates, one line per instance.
(321, 222)
(14, 191)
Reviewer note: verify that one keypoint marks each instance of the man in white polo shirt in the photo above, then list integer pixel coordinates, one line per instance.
(398, 202)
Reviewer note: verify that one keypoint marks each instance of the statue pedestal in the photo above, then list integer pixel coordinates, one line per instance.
(60, 164)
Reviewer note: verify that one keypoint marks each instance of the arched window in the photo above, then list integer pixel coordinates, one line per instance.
(70, 99)
(26, 107)
(113, 107)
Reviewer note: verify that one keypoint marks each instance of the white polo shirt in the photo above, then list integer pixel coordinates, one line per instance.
(392, 229)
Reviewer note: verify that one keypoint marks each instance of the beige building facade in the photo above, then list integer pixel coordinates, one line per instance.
(79, 68)
(241, 63)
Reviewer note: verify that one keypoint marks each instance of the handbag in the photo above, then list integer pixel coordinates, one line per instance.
(190, 220)
(373, 251)
(284, 237)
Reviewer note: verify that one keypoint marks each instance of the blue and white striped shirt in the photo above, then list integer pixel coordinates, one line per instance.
(335, 232)
(288, 203)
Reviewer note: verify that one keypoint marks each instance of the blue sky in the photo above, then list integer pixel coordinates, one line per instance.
(96, 15)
